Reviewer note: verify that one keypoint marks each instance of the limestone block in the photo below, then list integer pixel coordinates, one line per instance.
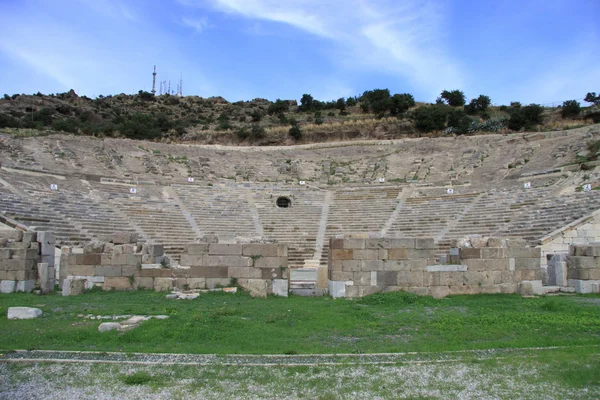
(446, 268)
(155, 250)
(395, 265)
(129, 248)
(163, 284)
(417, 265)
(594, 274)
(7, 286)
(107, 271)
(265, 250)
(342, 275)
(470, 253)
(409, 278)
(582, 286)
(93, 247)
(336, 289)
(524, 252)
(5, 254)
(224, 249)
(26, 285)
(362, 278)
(424, 243)
(527, 263)
(47, 243)
(124, 237)
(366, 254)
(352, 291)
(421, 291)
(351, 265)
(407, 243)
(508, 288)
(342, 254)
(151, 266)
(129, 270)
(525, 288)
(229, 261)
(11, 234)
(379, 243)
(270, 273)
(257, 287)
(439, 292)
(191, 259)
(487, 289)
(82, 270)
(397, 254)
(209, 239)
(507, 277)
(496, 242)
(73, 287)
(44, 278)
(269, 262)
(23, 313)
(371, 265)
(212, 283)
(280, 287)
(116, 282)
(144, 282)
(354, 243)
(420, 254)
(244, 272)
(493, 252)
(335, 244)
(197, 283)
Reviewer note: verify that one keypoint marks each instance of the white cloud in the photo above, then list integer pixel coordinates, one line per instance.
(400, 38)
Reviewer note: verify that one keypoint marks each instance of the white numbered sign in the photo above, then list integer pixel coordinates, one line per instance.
(53, 187)
(302, 182)
(381, 180)
(587, 187)
(527, 185)
(450, 191)
(133, 190)
(190, 179)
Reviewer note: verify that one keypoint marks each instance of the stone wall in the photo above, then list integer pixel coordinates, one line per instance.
(361, 266)
(20, 257)
(580, 232)
(123, 263)
(583, 268)
(262, 266)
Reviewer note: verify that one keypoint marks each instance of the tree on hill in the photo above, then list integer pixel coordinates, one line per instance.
(278, 107)
(591, 97)
(431, 118)
(525, 117)
(479, 104)
(454, 98)
(340, 104)
(307, 103)
(378, 101)
(570, 108)
(400, 103)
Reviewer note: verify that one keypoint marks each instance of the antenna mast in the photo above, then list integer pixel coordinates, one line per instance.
(154, 81)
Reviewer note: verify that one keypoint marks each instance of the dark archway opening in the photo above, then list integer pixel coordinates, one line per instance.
(283, 202)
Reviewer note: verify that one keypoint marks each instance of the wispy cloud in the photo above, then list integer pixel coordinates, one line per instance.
(113, 9)
(197, 24)
(399, 38)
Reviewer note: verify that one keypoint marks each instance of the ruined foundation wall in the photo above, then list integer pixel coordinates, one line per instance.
(362, 266)
(583, 268)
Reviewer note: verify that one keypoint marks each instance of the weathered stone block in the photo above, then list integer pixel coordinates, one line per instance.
(336, 289)
(470, 253)
(7, 286)
(417, 265)
(129, 248)
(156, 249)
(124, 237)
(5, 254)
(336, 243)
(352, 291)
(351, 265)
(197, 283)
(371, 265)
(82, 270)
(581, 262)
(197, 248)
(397, 254)
(225, 249)
(342, 276)
(493, 252)
(118, 282)
(163, 284)
(191, 259)
(270, 262)
(265, 250)
(212, 283)
(93, 247)
(102, 270)
(527, 263)
(342, 254)
(366, 254)
(228, 261)
(524, 252)
(15, 235)
(280, 287)
(26, 285)
(409, 279)
(244, 272)
(144, 282)
(424, 243)
(23, 313)
(408, 243)
(362, 278)
(73, 287)
(354, 243)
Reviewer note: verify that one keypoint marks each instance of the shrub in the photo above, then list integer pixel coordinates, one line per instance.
(7, 121)
(570, 108)
(479, 104)
(430, 118)
(591, 97)
(318, 118)
(256, 115)
(340, 104)
(525, 117)
(351, 102)
(307, 103)
(140, 126)
(146, 96)
(454, 98)
(257, 132)
(279, 107)
(172, 100)
(378, 101)
(400, 103)
(459, 121)
(65, 125)
(295, 132)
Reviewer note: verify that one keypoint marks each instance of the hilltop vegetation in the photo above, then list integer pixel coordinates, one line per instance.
(375, 114)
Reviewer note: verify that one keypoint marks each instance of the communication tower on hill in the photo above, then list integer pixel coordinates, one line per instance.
(154, 81)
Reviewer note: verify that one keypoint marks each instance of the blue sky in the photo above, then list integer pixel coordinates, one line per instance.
(529, 50)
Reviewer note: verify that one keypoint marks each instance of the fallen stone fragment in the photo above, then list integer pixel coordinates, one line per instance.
(23, 313)
(109, 326)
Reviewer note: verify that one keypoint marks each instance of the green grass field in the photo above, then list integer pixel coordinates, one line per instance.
(219, 323)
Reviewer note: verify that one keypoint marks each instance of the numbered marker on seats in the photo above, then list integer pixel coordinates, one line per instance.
(527, 185)
(190, 179)
(450, 191)
(587, 187)
(302, 183)
(53, 187)
(133, 190)
(381, 180)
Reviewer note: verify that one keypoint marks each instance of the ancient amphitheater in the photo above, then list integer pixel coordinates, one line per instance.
(177, 195)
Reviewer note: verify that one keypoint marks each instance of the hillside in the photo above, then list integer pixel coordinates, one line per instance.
(262, 122)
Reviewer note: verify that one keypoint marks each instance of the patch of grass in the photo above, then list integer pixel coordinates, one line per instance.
(137, 378)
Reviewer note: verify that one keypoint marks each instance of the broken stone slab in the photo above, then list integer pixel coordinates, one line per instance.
(73, 287)
(337, 289)
(257, 287)
(280, 287)
(109, 326)
(25, 286)
(23, 313)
